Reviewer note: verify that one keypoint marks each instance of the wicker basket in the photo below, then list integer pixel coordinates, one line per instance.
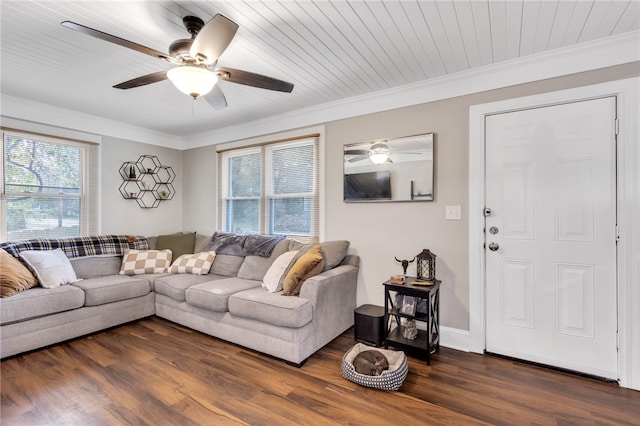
(390, 379)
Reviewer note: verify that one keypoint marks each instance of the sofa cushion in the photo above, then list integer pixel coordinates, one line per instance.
(135, 262)
(260, 305)
(175, 285)
(308, 265)
(38, 302)
(255, 267)
(179, 244)
(226, 264)
(14, 276)
(214, 295)
(96, 266)
(112, 288)
(201, 243)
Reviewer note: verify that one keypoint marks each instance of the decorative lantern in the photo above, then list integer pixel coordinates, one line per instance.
(426, 266)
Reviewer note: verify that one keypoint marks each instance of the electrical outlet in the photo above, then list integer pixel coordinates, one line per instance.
(453, 213)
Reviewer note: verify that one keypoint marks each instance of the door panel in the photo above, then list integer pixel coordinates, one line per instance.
(518, 296)
(576, 307)
(551, 281)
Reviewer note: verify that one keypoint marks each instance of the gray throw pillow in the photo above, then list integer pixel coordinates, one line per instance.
(226, 265)
(333, 252)
(254, 267)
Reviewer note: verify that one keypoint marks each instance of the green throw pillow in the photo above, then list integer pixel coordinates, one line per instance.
(179, 244)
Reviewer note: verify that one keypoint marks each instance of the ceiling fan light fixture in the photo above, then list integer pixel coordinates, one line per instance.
(192, 81)
(379, 153)
(378, 158)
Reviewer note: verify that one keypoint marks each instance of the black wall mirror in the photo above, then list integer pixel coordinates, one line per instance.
(398, 169)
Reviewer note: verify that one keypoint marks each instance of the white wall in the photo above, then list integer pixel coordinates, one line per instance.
(120, 216)
(380, 231)
(200, 190)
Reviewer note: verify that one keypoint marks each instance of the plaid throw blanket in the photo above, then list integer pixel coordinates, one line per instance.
(79, 246)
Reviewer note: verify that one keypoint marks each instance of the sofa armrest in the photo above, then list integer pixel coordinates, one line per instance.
(333, 297)
(339, 282)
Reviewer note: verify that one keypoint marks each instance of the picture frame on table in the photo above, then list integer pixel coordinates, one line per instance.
(408, 306)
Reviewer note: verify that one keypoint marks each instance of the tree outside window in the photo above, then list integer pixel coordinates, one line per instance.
(43, 188)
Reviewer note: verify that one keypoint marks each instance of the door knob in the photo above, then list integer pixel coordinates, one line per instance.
(493, 246)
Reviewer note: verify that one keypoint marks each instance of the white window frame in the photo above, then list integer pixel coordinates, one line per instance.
(266, 150)
(225, 184)
(88, 185)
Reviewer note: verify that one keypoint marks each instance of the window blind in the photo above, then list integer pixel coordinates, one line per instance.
(50, 186)
(271, 188)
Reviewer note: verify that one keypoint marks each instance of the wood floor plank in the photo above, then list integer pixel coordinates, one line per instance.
(154, 372)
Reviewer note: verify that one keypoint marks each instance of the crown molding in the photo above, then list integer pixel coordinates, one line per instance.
(601, 53)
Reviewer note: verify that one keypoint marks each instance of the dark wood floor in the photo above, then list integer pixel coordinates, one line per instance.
(153, 372)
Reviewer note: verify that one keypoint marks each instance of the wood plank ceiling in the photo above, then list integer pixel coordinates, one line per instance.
(330, 50)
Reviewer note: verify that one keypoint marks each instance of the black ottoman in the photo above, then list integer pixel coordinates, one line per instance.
(369, 324)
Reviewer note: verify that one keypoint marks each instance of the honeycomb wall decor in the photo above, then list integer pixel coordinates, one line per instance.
(147, 181)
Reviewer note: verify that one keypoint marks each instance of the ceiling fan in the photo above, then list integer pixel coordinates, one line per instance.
(378, 153)
(195, 73)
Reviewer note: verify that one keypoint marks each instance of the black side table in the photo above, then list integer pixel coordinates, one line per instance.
(428, 340)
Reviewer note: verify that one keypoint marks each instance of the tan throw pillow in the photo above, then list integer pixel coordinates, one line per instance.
(197, 264)
(179, 244)
(14, 276)
(136, 262)
(308, 265)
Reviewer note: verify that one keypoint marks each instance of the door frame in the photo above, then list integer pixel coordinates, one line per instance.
(628, 211)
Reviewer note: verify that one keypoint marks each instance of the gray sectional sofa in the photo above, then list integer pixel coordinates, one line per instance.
(229, 302)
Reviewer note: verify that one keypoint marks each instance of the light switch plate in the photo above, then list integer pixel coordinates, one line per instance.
(453, 213)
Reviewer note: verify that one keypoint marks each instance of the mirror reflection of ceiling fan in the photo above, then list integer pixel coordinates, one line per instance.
(378, 153)
(195, 73)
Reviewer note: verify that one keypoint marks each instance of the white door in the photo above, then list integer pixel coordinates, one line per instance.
(550, 236)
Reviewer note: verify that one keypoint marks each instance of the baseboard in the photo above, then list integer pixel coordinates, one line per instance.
(454, 338)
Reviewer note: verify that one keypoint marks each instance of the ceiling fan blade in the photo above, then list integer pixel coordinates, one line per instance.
(358, 158)
(357, 152)
(213, 39)
(119, 41)
(143, 80)
(252, 79)
(216, 98)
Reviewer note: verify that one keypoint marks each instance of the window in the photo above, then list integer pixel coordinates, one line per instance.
(49, 189)
(271, 189)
